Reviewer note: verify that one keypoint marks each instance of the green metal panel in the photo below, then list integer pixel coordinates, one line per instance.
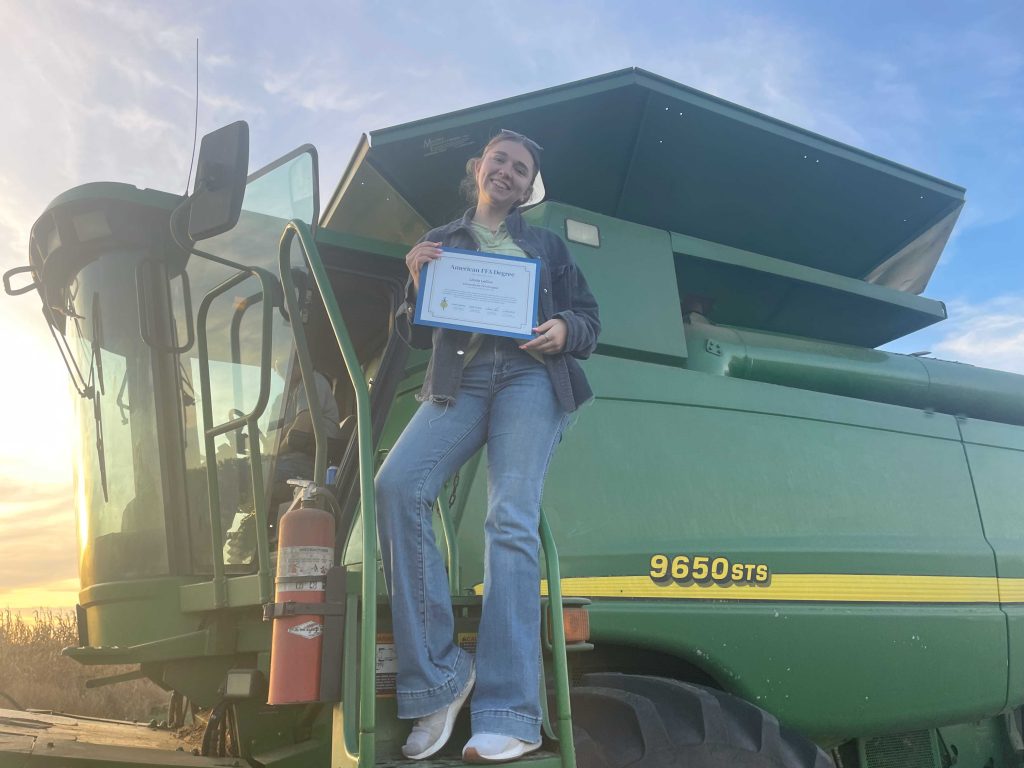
(622, 380)
(118, 192)
(132, 612)
(996, 456)
(714, 466)
(813, 486)
(756, 291)
(347, 241)
(829, 671)
(642, 148)
(632, 275)
(867, 374)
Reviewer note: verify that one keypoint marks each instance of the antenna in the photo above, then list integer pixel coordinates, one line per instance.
(195, 128)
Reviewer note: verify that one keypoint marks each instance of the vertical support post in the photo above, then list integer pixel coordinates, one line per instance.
(365, 749)
(559, 663)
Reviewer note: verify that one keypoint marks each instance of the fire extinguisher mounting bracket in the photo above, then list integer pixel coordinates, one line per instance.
(292, 608)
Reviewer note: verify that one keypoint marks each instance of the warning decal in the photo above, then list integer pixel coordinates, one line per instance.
(387, 666)
(298, 562)
(307, 629)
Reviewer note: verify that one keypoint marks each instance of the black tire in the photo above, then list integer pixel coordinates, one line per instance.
(653, 722)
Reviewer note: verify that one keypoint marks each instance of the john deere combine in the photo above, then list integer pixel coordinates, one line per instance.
(789, 548)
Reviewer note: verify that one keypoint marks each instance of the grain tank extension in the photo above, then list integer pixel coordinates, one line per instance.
(773, 543)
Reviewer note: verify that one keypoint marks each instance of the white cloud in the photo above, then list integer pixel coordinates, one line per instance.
(312, 86)
(146, 22)
(216, 61)
(990, 334)
(137, 121)
(15, 220)
(38, 546)
(334, 97)
(765, 66)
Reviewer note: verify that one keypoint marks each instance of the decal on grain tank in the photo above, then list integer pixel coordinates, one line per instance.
(665, 569)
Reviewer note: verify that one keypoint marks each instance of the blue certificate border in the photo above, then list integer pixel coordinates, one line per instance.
(419, 319)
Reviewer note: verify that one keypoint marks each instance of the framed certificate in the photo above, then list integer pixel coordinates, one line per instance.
(479, 292)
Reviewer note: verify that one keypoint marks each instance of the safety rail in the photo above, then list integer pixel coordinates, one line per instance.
(358, 731)
(560, 666)
(249, 420)
(359, 727)
(558, 660)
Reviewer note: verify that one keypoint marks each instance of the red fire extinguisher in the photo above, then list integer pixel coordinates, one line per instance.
(305, 553)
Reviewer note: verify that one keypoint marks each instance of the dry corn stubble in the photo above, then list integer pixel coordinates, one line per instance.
(34, 675)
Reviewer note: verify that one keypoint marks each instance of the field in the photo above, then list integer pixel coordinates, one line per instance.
(34, 675)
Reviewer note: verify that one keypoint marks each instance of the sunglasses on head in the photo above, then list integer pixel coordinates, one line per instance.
(530, 143)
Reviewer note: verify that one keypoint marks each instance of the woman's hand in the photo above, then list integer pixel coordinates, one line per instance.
(551, 338)
(421, 253)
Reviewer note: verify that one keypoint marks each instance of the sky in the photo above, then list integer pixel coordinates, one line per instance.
(105, 91)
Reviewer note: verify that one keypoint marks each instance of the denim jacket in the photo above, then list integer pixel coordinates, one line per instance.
(564, 294)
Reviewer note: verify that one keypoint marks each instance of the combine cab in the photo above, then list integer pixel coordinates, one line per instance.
(776, 544)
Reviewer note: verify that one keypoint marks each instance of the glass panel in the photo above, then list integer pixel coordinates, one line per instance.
(372, 208)
(235, 346)
(285, 192)
(121, 533)
(235, 336)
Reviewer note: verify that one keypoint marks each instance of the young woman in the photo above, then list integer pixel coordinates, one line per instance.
(515, 398)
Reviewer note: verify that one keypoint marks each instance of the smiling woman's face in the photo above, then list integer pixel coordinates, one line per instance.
(504, 175)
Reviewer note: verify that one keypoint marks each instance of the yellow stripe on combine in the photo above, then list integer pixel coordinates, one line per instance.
(806, 587)
(1011, 590)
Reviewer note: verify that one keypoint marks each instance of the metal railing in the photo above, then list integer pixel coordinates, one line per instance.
(250, 421)
(359, 722)
(358, 731)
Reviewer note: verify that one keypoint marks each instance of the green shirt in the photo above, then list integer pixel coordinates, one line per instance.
(495, 242)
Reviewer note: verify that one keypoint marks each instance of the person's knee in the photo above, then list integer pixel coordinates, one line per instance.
(399, 490)
(388, 485)
(513, 529)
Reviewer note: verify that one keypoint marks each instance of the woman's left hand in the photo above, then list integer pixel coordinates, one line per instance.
(551, 338)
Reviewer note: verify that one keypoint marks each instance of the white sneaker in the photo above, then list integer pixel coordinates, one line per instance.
(431, 732)
(495, 748)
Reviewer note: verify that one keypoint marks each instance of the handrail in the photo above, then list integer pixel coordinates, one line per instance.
(359, 745)
(558, 660)
(250, 421)
(359, 742)
(558, 652)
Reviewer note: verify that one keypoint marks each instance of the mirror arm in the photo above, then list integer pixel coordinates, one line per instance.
(188, 245)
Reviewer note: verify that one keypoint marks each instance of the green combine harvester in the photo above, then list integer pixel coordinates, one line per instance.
(790, 549)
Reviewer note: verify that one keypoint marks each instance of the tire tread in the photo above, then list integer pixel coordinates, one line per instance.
(655, 722)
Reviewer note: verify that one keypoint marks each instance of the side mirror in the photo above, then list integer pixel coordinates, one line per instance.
(220, 181)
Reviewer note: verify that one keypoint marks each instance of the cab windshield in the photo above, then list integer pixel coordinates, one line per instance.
(140, 417)
(117, 467)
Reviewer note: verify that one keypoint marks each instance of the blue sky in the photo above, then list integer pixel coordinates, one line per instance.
(105, 91)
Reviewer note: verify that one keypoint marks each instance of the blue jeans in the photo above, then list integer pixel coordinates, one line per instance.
(507, 403)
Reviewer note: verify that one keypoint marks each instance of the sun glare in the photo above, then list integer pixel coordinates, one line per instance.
(36, 459)
(59, 594)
